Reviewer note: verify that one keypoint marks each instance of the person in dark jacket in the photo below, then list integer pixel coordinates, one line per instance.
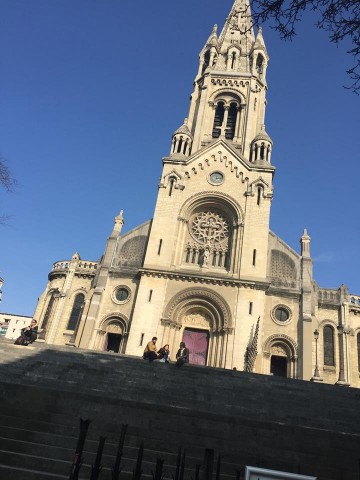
(182, 355)
(164, 354)
(28, 334)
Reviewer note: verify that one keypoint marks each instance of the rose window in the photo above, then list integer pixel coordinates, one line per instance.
(209, 228)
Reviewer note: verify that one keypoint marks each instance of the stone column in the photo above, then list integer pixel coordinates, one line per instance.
(306, 330)
(225, 119)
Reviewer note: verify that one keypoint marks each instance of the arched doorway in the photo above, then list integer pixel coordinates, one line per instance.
(113, 341)
(278, 366)
(280, 356)
(200, 317)
(197, 341)
(111, 336)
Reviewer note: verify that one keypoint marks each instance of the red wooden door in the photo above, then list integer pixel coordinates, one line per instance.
(197, 341)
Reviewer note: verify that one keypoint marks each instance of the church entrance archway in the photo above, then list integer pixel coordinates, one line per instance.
(197, 341)
(111, 335)
(113, 342)
(280, 356)
(278, 366)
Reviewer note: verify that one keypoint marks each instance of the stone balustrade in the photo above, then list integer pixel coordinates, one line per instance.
(329, 295)
(355, 300)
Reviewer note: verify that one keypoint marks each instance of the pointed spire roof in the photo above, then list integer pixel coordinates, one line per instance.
(262, 135)
(118, 223)
(238, 27)
(212, 41)
(259, 42)
(184, 129)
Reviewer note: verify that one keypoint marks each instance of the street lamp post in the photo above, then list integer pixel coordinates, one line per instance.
(316, 372)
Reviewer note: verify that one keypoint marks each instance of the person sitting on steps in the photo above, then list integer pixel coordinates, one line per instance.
(150, 350)
(164, 354)
(182, 355)
(28, 334)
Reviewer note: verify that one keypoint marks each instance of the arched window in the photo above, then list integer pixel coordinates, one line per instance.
(233, 59)
(76, 311)
(358, 349)
(218, 120)
(48, 312)
(206, 61)
(329, 352)
(259, 64)
(259, 195)
(231, 122)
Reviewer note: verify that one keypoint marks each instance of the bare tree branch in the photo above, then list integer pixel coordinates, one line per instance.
(340, 18)
(7, 182)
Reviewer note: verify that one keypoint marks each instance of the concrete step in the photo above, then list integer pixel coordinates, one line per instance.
(18, 473)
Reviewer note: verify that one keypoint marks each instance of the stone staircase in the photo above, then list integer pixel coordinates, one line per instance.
(276, 423)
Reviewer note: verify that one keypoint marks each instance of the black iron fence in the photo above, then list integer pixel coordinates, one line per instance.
(204, 471)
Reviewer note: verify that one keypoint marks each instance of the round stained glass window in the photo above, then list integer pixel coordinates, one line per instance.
(121, 294)
(209, 228)
(282, 315)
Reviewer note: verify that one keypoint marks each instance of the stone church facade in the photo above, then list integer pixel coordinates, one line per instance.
(207, 269)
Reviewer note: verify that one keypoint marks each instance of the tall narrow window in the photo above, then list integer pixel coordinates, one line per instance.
(358, 350)
(254, 257)
(218, 120)
(259, 64)
(141, 339)
(150, 295)
(206, 61)
(171, 185)
(179, 145)
(250, 308)
(231, 122)
(329, 353)
(48, 311)
(160, 245)
(76, 311)
(259, 193)
(233, 59)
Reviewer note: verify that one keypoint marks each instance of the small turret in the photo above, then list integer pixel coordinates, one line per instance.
(261, 146)
(182, 141)
(119, 222)
(305, 244)
(259, 57)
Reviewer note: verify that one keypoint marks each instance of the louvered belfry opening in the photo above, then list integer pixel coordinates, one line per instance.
(218, 120)
(231, 122)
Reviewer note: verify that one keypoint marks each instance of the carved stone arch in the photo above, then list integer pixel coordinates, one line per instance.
(217, 308)
(329, 322)
(216, 200)
(114, 317)
(77, 291)
(215, 96)
(173, 174)
(259, 182)
(234, 46)
(281, 339)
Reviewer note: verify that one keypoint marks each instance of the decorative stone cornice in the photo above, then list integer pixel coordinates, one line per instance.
(204, 279)
(283, 292)
(228, 82)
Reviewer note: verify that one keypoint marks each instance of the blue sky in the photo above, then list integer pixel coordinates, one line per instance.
(90, 94)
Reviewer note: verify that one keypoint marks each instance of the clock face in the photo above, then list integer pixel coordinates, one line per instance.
(216, 178)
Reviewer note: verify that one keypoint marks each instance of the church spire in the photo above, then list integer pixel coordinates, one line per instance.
(238, 27)
(229, 97)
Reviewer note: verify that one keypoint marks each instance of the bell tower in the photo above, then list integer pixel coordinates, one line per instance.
(206, 259)
(229, 96)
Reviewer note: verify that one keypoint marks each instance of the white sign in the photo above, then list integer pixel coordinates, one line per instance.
(254, 473)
